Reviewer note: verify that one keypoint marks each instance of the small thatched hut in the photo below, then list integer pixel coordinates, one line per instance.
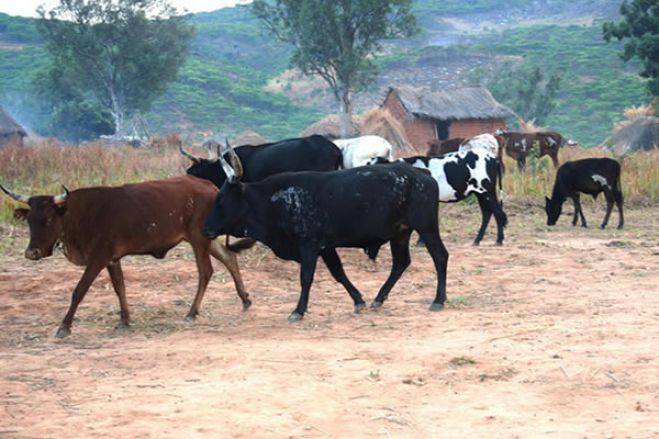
(11, 133)
(638, 135)
(639, 131)
(439, 115)
(380, 122)
(249, 138)
(329, 127)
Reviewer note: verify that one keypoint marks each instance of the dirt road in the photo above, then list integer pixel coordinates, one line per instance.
(554, 334)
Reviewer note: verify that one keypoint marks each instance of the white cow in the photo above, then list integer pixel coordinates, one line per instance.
(359, 150)
(483, 141)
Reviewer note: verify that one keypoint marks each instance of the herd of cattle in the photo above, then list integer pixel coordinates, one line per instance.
(303, 198)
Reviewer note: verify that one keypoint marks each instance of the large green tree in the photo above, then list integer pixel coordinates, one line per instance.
(640, 29)
(337, 40)
(121, 54)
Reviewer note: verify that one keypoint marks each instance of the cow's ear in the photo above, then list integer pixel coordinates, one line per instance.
(21, 214)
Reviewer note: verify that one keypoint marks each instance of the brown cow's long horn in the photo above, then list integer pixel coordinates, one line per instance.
(61, 198)
(187, 154)
(235, 161)
(15, 196)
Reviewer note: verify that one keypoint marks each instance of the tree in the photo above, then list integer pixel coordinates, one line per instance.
(337, 40)
(122, 54)
(525, 90)
(640, 27)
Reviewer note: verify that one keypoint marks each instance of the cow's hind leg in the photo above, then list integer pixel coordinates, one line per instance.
(609, 207)
(439, 256)
(91, 271)
(228, 258)
(117, 278)
(617, 194)
(400, 252)
(486, 213)
(335, 267)
(205, 268)
(308, 260)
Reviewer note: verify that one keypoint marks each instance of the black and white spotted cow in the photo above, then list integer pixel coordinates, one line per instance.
(590, 176)
(461, 173)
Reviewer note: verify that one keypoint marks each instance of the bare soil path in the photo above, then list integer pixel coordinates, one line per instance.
(554, 334)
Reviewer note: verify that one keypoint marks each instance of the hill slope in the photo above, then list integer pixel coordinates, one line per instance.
(230, 83)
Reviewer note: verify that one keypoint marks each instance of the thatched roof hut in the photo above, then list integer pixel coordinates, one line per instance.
(329, 127)
(429, 115)
(10, 131)
(249, 138)
(380, 122)
(451, 104)
(639, 134)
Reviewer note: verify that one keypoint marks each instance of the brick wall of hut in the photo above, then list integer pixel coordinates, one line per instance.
(473, 127)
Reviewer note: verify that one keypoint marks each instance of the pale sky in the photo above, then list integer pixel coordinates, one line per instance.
(27, 8)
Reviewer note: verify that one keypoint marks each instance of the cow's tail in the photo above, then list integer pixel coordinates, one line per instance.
(500, 171)
(240, 245)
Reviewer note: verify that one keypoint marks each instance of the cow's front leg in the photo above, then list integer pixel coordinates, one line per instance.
(308, 261)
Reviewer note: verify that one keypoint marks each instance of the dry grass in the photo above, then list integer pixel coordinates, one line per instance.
(42, 169)
(639, 179)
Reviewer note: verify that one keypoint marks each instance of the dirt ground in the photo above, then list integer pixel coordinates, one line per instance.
(554, 334)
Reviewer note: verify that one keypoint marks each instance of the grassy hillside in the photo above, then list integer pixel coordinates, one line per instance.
(221, 89)
(596, 85)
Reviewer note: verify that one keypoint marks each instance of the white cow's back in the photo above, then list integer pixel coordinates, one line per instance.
(359, 150)
(483, 141)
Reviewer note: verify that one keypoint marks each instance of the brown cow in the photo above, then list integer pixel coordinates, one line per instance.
(519, 145)
(439, 147)
(100, 225)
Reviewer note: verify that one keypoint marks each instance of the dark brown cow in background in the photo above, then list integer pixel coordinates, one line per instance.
(100, 225)
(439, 147)
(519, 145)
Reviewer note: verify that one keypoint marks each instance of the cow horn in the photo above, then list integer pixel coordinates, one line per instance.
(15, 196)
(61, 198)
(213, 148)
(187, 154)
(228, 170)
(235, 161)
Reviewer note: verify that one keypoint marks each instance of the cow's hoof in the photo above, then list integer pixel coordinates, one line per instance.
(359, 307)
(436, 306)
(619, 227)
(122, 326)
(246, 305)
(498, 243)
(62, 332)
(602, 227)
(190, 317)
(295, 317)
(376, 304)
(476, 243)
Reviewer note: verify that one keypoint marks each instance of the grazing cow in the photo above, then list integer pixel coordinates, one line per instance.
(359, 150)
(314, 153)
(519, 145)
(461, 173)
(590, 176)
(100, 225)
(440, 147)
(303, 215)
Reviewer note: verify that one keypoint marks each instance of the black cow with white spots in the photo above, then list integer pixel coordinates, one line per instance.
(459, 174)
(590, 176)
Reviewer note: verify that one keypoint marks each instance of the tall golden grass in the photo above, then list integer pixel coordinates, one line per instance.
(43, 168)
